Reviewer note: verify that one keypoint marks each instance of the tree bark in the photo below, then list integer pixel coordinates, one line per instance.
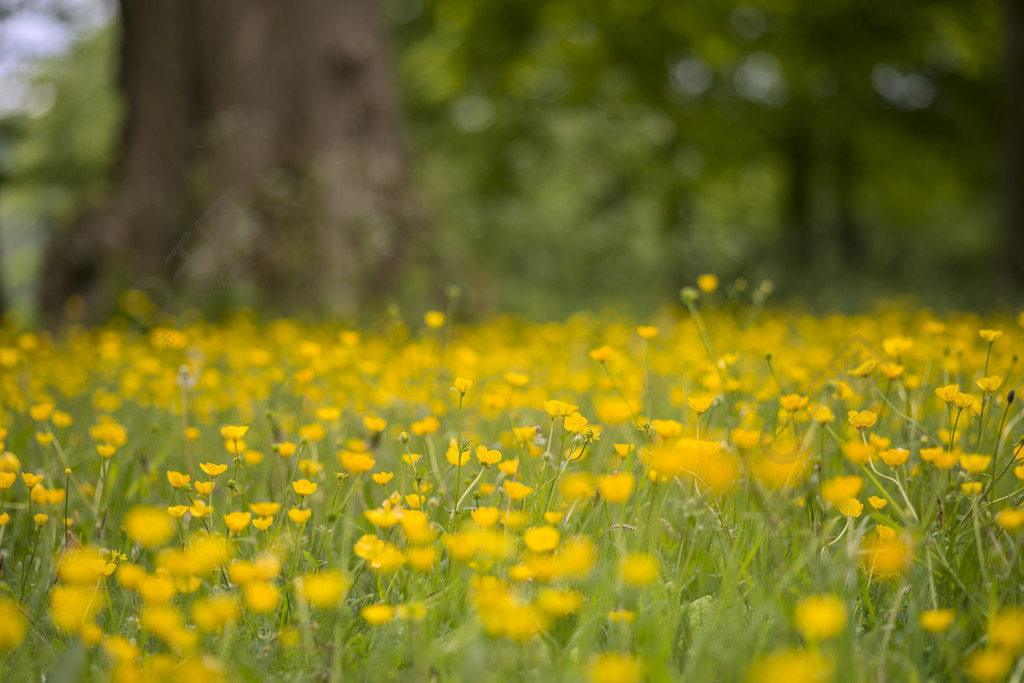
(1013, 148)
(261, 155)
(799, 243)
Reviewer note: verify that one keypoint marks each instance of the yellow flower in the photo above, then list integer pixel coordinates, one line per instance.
(105, 451)
(434, 319)
(516, 379)
(937, 620)
(177, 511)
(214, 613)
(1006, 629)
(865, 368)
(61, 419)
(428, 425)
(13, 625)
(616, 487)
(462, 385)
(988, 664)
(31, 480)
(666, 429)
(299, 516)
(177, 479)
(963, 400)
(7, 480)
(200, 509)
(700, 404)
(304, 487)
(792, 666)
(71, 607)
(375, 424)
(263, 523)
(865, 419)
(237, 521)
(1010, 519)
(381, 518)
(383, 478)
(623, 449)
(647, 332)
(639, 569)
(233, 433)
(377, 615)
(602, 353)
(707, 282)
(894, 457)
(323, 589)
(516, 490)
(40, 519)
(622, 616)
(286, 449)
(975, 464)
(262, 597)
(356, 462)
(939, 457)
(793, 402)
(265, 509)
(897, 345)
(41, 412)
(877, 503)
(839, 490)
(204, 488)
(557, 408)
(851, 507)
(421, 558)
(148, 526)
(487, 457)
(454, 455)
(485, 516)
(823, 415)
(948, 393)
(892, 371)
(971, 487)
(542, 539)
(509, 467)
(616, 667)
(990, 335)
(212, 470)
(990, 384)
(820, 617)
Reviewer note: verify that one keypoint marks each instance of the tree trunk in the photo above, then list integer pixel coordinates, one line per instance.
(798, 241)
(1013, 148)
(261, 157)
(848, 236)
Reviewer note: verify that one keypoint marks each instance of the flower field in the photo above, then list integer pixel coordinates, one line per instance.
(723, 492)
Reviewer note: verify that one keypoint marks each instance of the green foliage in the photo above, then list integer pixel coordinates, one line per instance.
(587, 152)
(59, 161)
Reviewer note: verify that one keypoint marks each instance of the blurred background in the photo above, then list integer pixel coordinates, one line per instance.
(543, 155)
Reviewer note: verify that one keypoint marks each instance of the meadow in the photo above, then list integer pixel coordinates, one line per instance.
(727, 491)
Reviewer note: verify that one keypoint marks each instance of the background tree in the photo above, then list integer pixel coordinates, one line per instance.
(570, 154)
(260, 152)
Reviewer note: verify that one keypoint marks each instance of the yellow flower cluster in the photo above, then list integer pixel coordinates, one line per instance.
(596, 496)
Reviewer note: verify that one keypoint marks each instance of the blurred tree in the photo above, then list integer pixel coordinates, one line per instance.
(260, 153)
(619, 147)
(1013, 149)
